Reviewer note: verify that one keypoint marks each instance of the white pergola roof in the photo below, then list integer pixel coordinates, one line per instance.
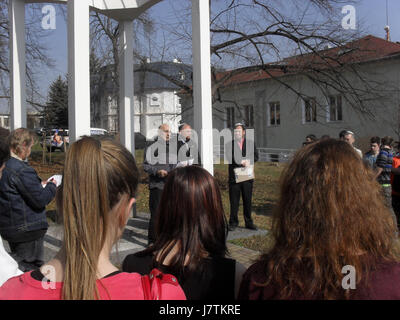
(117, 9)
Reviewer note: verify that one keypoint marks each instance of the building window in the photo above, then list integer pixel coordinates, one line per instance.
(155, 100)
(335, 108)
(249, 115)
(310, 110)
(230, 117)
(274, 114)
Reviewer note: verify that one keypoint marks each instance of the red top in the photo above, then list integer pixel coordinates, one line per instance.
(240, 143)
(394, 180)
(122, 286)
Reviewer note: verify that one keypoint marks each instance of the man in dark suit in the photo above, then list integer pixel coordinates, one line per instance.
(158, 163)
(188, 151)
(240, 158)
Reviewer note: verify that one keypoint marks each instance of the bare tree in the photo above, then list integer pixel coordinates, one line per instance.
(302, 37)
(105, 34)
(37, 58)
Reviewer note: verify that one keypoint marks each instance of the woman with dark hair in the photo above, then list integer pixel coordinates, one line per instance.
(330, 218)
(191, 234)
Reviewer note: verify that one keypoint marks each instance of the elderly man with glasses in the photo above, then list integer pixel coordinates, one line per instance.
(348, 136)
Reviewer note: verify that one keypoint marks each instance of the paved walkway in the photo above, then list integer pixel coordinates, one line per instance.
(134, 239)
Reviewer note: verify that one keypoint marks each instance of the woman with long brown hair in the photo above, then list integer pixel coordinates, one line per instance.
(331, 218)
(191, 233)
(95, 199)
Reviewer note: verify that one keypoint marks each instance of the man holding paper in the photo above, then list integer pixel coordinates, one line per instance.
(241, 176)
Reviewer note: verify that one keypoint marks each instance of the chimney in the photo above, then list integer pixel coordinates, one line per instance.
(387, 29)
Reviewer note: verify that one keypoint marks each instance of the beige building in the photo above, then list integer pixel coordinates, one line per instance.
(286, 109)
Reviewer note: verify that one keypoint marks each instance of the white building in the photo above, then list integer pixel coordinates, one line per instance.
(155, 98)
(34, 117)
(282, 118)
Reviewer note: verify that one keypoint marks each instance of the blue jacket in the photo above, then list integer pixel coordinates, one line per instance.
(23, 199)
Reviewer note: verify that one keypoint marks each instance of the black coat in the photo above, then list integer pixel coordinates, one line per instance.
(167, 162)
(230, 148)
(187, 146)
(23, 200)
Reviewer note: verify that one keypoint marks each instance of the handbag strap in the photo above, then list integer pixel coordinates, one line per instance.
(152, 282)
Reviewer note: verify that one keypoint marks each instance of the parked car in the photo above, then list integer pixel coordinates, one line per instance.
(98, 132)
(40, 131)
(56, 139)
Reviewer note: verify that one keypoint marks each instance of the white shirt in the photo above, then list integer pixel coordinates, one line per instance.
(8, 266)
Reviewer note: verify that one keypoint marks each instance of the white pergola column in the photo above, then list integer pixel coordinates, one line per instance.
(126, 78)
(202, 101)
(16, 13)
(78, 69)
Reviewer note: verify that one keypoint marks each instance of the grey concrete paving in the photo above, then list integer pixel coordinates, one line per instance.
(134, 239)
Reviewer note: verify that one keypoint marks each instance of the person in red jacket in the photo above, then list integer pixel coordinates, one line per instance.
(95, 199)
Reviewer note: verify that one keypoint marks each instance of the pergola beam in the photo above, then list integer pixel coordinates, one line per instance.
(202, 100)
(126, 79)
(16, 12)
(78, 69)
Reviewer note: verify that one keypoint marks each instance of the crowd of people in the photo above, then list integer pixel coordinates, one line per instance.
(383, 158)
(332, 213)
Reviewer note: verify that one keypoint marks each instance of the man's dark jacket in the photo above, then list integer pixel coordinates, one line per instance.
(230, 147)
(23, 200)
(167, 162)
(188, 146)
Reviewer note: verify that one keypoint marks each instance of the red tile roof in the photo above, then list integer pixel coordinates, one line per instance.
(366, 49)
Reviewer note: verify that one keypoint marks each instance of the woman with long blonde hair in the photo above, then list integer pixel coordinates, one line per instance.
(95, 199)
(333, 237)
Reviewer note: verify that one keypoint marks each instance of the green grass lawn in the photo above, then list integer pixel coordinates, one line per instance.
(265, 192)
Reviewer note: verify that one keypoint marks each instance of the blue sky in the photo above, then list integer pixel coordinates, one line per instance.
(371, 18)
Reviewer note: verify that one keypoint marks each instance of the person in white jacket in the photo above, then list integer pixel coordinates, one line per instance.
(8, 266)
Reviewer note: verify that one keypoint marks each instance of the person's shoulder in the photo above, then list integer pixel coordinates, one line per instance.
(9, 289)
(396, 161)
(14, 164)
(256, 272)
(137, 262)
(24, 287)
(382, 282)
(222, 263)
